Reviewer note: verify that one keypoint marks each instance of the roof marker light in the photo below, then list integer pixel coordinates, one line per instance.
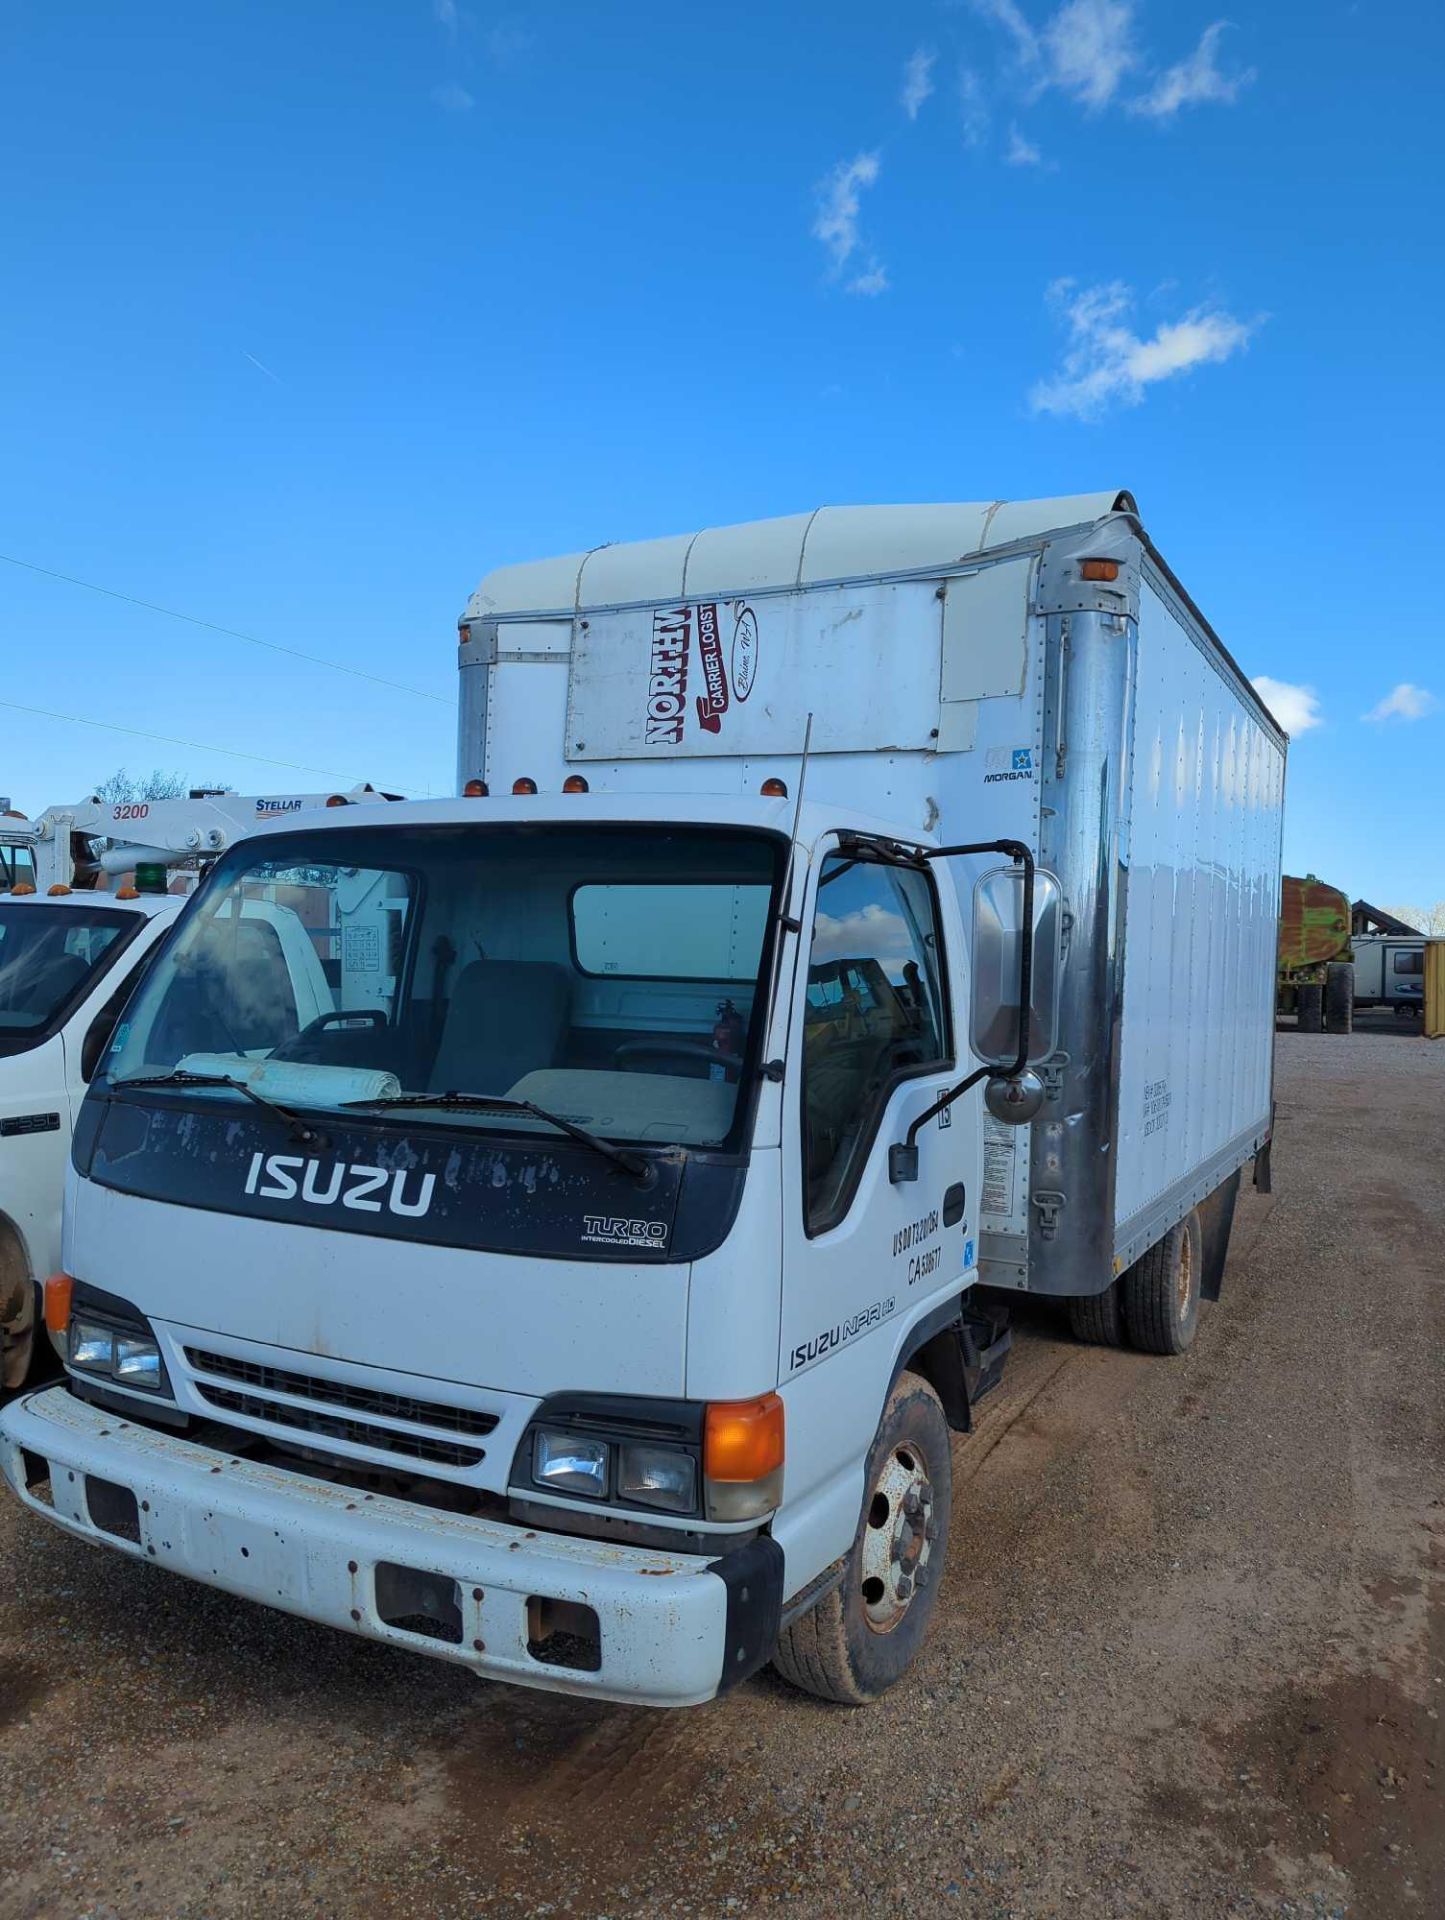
(1099, 569)
(576, 783)
(337, 800)
(24, 887)
(59, 888)
(475, 790)
(524, 784)
(774, 789)
(127, 893)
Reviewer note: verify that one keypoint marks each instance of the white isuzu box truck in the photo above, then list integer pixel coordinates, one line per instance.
(592, 1294)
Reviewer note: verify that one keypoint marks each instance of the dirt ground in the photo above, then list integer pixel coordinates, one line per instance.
(1189, 1657)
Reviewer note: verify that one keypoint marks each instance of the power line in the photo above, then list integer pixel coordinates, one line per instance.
(233, 633)
(171, 740)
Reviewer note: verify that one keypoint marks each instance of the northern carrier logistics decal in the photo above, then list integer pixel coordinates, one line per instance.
(674, 630)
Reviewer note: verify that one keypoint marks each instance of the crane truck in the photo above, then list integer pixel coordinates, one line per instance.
(847, 923)
(89, 890)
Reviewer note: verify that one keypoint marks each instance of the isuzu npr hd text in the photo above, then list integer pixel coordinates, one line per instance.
(592, 1294)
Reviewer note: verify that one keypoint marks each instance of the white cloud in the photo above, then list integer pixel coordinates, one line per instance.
(873, 931)
(1297, 709)
(1006, 14)
(839, 202)
(1022, 152)
(874, 280)
(1107, 361)
(452, 98)
(447, 14)
(1195, 81)
(1089, 46)
(917, 81)
(1405, 702)
(973, 107)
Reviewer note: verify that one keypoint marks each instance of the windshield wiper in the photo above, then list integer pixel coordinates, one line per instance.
(633, 1163)
(306, 1135)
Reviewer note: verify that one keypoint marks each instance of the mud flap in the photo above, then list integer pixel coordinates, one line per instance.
(1216, 1219)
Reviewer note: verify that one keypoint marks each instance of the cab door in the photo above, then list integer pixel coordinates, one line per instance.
(878, 1019)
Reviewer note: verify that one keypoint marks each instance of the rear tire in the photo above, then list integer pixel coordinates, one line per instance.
(1311, 1003)
(863, 1636)
(1161, 1291)
(1097, 1319)
(1340, 997)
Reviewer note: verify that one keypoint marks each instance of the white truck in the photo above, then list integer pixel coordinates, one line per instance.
(74, 939)
(595, 1304)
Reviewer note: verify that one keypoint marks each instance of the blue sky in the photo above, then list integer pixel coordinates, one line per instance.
(315, 311)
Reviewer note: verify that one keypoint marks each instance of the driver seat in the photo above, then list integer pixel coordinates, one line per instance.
(506, 1019)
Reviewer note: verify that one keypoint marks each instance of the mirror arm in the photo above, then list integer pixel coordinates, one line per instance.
(903, 1155)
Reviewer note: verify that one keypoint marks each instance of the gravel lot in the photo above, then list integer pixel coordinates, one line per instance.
(1189, 1657)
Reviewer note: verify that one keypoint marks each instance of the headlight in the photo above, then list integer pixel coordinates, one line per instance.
(120, 1354)
(91, 1346)
(657, 1476)
(569, 1463)
(137, 1361)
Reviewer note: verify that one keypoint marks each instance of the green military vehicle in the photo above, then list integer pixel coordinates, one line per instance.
(1315, 975)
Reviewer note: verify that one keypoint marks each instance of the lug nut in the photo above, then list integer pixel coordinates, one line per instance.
(905, 1586)
(911, 1502)
(930, 1532)
(920, 1576)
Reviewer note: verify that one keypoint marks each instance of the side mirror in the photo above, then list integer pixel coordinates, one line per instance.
(998, 911)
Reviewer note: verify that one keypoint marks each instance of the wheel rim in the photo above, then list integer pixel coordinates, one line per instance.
(1184, 1275)
(898, 1537)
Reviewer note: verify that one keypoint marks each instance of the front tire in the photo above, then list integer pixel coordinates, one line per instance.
(864, 1635)
(1161, 1290)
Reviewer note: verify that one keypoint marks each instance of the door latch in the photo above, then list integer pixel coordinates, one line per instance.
(1049, 1206)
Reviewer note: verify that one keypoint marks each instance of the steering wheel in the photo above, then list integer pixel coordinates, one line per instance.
(677, 1050)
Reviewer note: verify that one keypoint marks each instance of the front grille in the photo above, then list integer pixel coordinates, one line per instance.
(338, 1393)
(335, 1426)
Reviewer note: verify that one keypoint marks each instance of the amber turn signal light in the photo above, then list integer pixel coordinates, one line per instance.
(1099, 569)
(58, 1289)
(743, 1439)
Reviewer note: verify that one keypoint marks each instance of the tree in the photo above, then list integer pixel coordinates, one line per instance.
(124, 787)
(1427, 919)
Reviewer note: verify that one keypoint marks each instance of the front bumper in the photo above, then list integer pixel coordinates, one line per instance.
(673, 1629)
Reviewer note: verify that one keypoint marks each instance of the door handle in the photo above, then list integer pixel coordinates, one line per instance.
(955, 1204)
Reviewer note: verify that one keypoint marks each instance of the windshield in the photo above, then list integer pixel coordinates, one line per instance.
(605, 975)
(49, 956)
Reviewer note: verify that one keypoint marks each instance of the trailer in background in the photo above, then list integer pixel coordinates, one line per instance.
(1390, 972)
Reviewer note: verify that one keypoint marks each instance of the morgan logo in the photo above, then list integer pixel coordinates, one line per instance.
(714, 704)
(287, 1176)
(667, 676)
(745, 653)
(606, 1229)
